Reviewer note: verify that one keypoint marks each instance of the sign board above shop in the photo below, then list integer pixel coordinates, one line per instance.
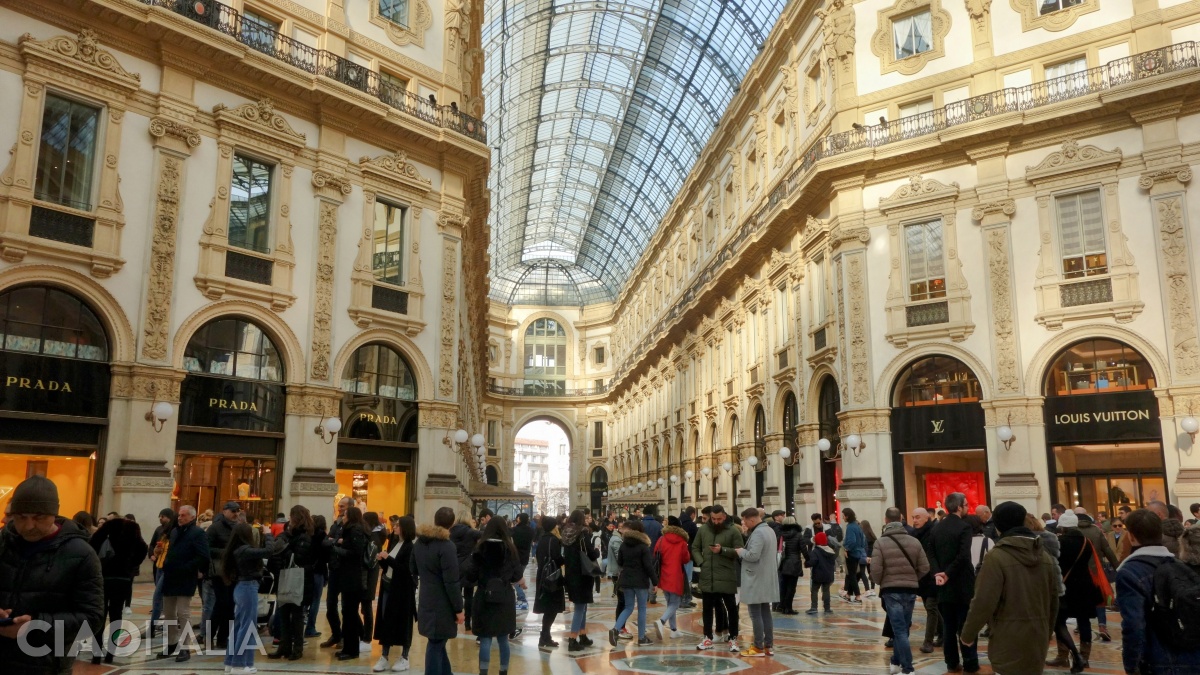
(54, 386)
(955, 426)
(226, 403)
(1086, 418)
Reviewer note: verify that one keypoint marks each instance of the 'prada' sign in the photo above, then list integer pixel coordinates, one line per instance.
(376, 418)
(227, 403)
(1119, 416)
(53, 385)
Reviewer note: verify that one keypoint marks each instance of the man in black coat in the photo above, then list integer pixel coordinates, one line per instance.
(186, 562)
(522, 536)
(687, 520)
(333, 591)
(49, 571)
(927, 589)
(217, 595)
(949, 551)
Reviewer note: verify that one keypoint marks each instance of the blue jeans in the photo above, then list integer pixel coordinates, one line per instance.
(899, 608)
(318, 587)
(521, 595)
(687, 580)
(485, 652)
(673, 602)
(437, 661)
(632, 596)
(208, 600)
(239, 652)
(156, 604)
(579, 618)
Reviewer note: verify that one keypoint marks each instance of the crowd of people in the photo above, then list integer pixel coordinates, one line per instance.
(1005, 575)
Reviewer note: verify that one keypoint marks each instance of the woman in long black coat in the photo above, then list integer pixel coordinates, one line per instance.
(493, 568)
(119, 562)
(549, 602)
(397, 605)
(1082, 596)
(577, 545)
(439, 606)
(295, 546)
(351, 578)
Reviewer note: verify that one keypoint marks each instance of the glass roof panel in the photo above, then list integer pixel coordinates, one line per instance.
(598, 111)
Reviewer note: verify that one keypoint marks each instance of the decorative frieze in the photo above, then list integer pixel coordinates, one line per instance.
(1180, 305)
(161, 279)
(447, 330)
(1004, 337)
(323, 298)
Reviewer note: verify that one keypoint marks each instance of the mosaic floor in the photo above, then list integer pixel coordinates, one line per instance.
(846, 641)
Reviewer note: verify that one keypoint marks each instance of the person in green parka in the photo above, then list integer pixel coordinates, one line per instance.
(715, 550)
(1016, 594)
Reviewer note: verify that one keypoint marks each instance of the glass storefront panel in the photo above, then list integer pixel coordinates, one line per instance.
(375, 487)
(1105, 476)
(72, 475)
(208, 481)
(930, 476)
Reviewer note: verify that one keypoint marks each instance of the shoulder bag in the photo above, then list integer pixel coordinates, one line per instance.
(587, 566)
(291, 584)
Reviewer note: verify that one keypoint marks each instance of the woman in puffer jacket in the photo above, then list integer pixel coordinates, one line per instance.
(672, 548)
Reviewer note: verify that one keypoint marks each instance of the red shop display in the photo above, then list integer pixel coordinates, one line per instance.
(970, 483)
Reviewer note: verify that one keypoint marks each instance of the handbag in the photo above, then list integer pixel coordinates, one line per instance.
(551, 580)
(587, 566)
(495, 591)
(291, 584)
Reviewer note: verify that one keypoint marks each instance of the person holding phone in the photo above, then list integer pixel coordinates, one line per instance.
(48, 570)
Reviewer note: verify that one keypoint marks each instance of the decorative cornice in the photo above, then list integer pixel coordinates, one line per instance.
(1181, 173)
(396, 168)
(261, 113)
(323, 179)
(916, 191)
(1073, 157)
(83, 49)
(165, 126)
(1005, 206)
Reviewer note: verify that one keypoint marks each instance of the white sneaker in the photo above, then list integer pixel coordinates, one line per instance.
(400, 666)
(675, 634)
(380, 665)
(658, 628)
(228, 670)
(248, 670)
(894, 668)
(127, 611)
(364, 647)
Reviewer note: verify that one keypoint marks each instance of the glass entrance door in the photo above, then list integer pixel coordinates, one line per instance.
(1108, 492)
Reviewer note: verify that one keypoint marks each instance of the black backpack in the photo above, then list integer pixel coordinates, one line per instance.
(1175, 607)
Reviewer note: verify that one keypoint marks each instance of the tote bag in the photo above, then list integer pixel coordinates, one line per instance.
(291, 584)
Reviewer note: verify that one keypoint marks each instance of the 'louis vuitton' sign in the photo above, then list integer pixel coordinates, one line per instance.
(1119, 416)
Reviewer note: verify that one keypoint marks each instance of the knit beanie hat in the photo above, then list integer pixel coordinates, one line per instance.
(1007, 516)
(37, 495)
(820, 539)
(166, 513)
(1068, 519)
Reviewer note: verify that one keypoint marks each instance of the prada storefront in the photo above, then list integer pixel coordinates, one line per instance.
(938, 441)
(1103, 437)
(54, 400)
(231, 415)
(378, 444)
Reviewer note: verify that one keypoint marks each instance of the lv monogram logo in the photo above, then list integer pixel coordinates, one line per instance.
(938, 426)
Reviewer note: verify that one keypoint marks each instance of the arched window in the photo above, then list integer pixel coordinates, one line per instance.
(598, 488)
(829, 404)
(790, 442)
(735, 432)
(379, 370)
(936, 380)
(1098, 367)
(47, 321)
(760, 453)
(545, 357)
(233, 348)
(492, 476)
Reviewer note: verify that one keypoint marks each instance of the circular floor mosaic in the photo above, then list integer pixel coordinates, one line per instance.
(680, 663)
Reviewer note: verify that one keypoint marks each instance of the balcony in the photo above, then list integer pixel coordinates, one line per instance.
(228, 21)
(539, 389)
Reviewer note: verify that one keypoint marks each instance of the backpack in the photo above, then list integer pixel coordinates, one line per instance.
(107, 551)
(983, 549)
(1175, 606)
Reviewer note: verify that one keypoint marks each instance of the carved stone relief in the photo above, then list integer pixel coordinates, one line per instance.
(162, 260)
(859, 367)
(1008, 376)
(449, 277)
(1180, 305)
(323, 301)
(837, 29)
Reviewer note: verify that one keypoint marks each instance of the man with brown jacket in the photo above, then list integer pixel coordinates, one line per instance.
(897, 564)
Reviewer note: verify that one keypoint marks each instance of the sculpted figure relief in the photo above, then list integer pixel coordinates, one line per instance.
(838, 30)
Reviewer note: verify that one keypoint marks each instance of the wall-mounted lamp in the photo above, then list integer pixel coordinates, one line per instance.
(675, 479)
(161, 411)
(706, 471)
(727, 466)
(856, 444)
(689, 475)
(1190, 425)
(1006, 436)
(330, 426)
(752, 461)
(784, 454)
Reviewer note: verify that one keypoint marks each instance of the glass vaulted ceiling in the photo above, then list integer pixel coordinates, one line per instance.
(597, 111)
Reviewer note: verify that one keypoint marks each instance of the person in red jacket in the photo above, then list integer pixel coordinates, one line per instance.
(672, 549)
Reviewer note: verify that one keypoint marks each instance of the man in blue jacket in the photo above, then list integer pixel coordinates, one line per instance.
(1142, 650)
(654, 531)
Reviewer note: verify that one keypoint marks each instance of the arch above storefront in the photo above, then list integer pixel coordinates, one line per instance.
(396, 340)
(905, 359)
(270, 322)
(122, 344)
(1050, 350)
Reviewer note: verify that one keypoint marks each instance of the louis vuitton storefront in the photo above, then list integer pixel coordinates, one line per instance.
(55, 377)
(231, 416)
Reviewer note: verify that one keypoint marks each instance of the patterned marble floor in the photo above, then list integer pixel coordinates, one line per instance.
(847, 641)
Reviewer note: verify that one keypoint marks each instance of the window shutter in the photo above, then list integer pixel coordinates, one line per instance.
(1092, 219)
(1068, 226)
(934, 261)
(915, 236)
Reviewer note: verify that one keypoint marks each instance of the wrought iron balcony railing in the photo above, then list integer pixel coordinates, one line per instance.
(538, 390)
(263, 39)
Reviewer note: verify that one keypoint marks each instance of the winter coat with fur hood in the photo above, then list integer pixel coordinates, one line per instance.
(673, 547)
(636, 561)
(440, 598)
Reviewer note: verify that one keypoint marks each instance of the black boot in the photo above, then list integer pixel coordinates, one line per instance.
(585, 640)
(573, 645)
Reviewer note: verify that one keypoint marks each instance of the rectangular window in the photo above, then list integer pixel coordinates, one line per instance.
(1081, 234)
(598, 384)
(1049, 6)
(250, 204)
(1067, 78)
(916, 107)
(67, 155)
(752, 337)
(598, 434)
(913, 34)
(259, 32)
(783, 300)
(926, 264)
(387, 259)
(599, 356)
(492, 433)
(393, 89)
(395, 11)
(817, 288)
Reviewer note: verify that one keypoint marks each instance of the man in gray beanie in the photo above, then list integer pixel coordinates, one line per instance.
(50, 573)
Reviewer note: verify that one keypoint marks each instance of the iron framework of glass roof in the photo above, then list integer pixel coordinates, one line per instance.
(597, 111)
